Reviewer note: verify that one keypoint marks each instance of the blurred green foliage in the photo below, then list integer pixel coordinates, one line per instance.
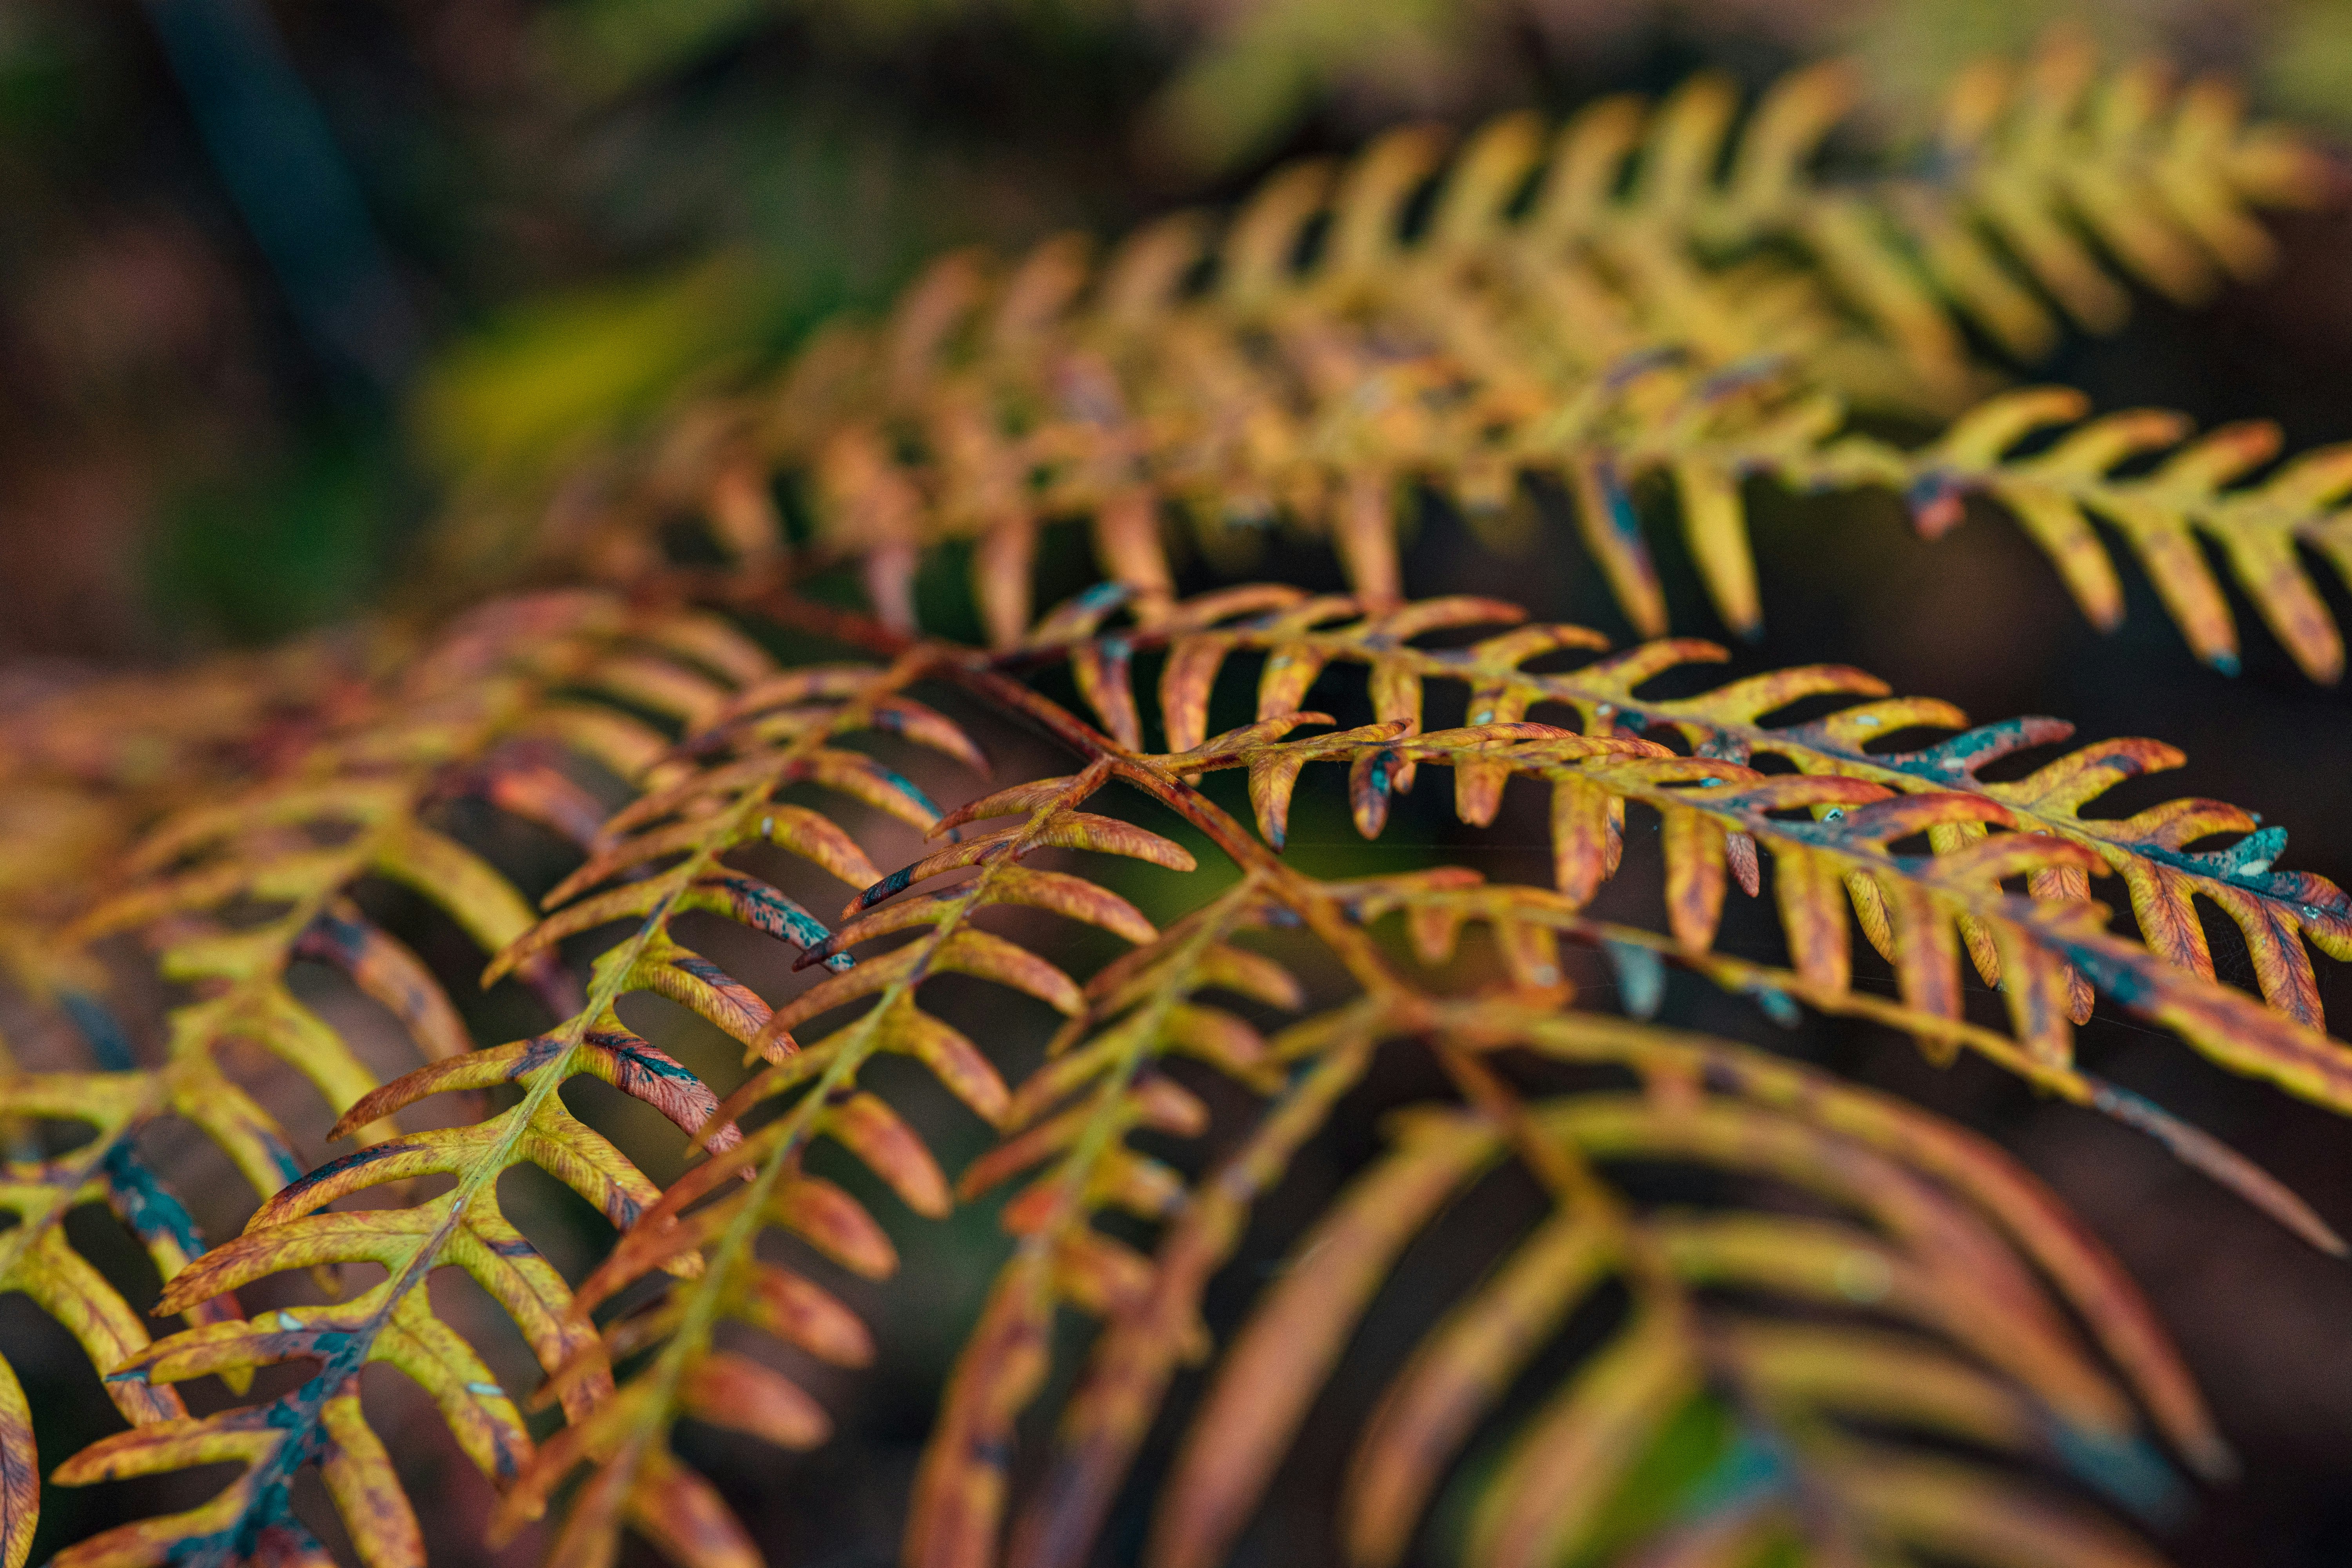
(2310, 64)
(257, 557)
(522, 392)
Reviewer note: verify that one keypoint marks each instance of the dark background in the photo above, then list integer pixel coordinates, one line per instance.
(280, 282)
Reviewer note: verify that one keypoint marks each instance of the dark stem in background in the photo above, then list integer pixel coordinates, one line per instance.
(274, 155)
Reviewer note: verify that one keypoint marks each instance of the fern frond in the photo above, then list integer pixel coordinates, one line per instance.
(87, 768)
(1068, 1125)
(1272, 1371)
(81, 774)
(1158, 1328)
(1316, 399)
(2049, 1401)
(2030, 157)
(1932, 1232)
(1875, 1337)
(1300, 637)
(1931, 904)
(356, 809)
(2055, 1405)
(1078, 1164)
(2019, 1382)
(1861, 802)
(1600, 313)
(711, 1216)
(1439, 906)
(2196, 492)
(37, 1257)
(161, 736)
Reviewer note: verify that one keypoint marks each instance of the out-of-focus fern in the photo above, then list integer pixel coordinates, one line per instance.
(87, 766)
(1644, 300)
(1919, 1211)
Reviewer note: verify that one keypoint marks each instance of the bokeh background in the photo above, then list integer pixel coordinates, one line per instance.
(282, 284)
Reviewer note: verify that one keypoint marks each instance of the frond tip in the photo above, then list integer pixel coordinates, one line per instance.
(2199, 492)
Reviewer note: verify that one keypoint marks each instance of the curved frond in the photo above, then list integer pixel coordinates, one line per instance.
(1796, 1343)
(1066, 1144)
(1717, 808)
(1903, 1198)
(356, 809)
(1960, 1251)
(1646, 301)
(82, 772)
(367, 787)
(1755, 1313)
(2199, 492)
(714, 1220)
(38, 1190)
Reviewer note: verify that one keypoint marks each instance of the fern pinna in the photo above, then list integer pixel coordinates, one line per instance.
(1747, 1312)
